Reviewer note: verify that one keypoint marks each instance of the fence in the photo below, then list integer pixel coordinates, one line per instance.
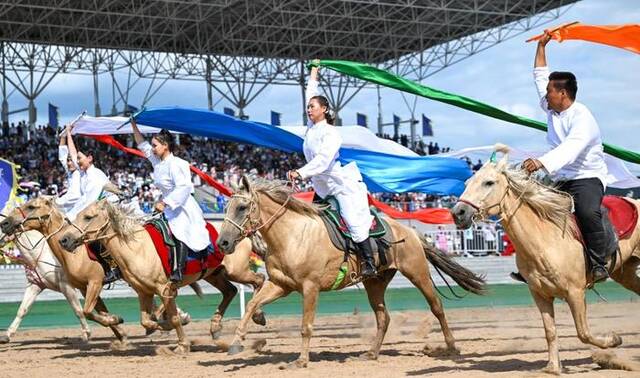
(468, 243)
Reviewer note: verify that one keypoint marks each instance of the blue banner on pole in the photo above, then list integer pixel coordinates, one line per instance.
(53, 116)
(275, 118)
(361, 119)
(427, 128)
(8, 182)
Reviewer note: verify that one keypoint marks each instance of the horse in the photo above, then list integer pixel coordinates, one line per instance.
(302, 258)
(134, 252)
(42, 214)
(538, 220)
(43, 272)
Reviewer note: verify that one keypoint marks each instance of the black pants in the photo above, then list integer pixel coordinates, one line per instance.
(587, 197)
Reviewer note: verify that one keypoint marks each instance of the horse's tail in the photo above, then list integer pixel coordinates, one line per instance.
(467, 280)
(197, 289)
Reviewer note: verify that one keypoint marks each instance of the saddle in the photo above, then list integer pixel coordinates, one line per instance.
(165, 244)
(379, 235)
(619, 219)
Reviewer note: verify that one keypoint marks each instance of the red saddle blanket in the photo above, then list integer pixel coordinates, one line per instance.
(192, 266)
(623, 215)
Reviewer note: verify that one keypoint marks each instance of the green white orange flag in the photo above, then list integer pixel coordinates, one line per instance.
(622, 36)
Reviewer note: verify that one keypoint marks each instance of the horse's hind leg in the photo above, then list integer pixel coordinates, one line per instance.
(171, 312)
(627, 275)
(545, 305)
(30, 295)
(578, 306)
(420, 276)
(228, 291)
(375, 291)
(146, 313)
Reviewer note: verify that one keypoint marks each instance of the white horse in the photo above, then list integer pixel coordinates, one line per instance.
(43, 272)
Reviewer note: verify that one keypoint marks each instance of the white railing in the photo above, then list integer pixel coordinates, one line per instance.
(468, 243)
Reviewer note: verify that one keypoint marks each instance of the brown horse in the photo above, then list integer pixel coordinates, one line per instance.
(133, 250)
(538, 221)
(302, 258)
(41, 214)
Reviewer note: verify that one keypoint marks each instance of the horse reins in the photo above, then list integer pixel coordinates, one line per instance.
(247, 232)
(481, 212)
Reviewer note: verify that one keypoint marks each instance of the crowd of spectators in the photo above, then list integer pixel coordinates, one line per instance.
(36, 152)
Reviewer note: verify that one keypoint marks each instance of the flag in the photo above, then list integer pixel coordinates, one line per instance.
(8, 182)
(53, 116)
(275, 118)
(361, 119)
(387, 79)
(427, 130)
(622, 36)
(229, 112)
(130, 109)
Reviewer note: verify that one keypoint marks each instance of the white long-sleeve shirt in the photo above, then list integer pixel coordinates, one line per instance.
(173, 177)
(574, 136)
(69, 199)
(92, 182)
(321, 149)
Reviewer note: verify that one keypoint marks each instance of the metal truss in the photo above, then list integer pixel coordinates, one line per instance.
(239, 47)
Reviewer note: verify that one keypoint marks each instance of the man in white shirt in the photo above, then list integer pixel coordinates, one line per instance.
(576, 159)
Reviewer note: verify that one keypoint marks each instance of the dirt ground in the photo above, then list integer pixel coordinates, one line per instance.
(492, 341)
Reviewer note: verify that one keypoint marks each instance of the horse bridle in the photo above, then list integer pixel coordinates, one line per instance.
(482, 212)
(84, 233)
(254, 226)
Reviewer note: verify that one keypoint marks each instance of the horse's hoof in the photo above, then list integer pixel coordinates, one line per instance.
(235, 349)
(119, 345)
(149, 331)
(368, 356)
(258, 318)
(182, 349)
(440, 351)
(86, 337)
(4, 339)
(118, 320)
(552, 369)
(297, 364)
(185, 318)
(216, 334)
(615, 340)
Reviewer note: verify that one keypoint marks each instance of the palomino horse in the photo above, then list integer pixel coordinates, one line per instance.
(134, 252)
(538, 221)
(42, 214)
(302, 258)
(43, 272)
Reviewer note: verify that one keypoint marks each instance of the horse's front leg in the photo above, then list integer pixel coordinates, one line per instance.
(310, 293)
(91, 298)
(30, 295)
(146, 313)
(578, 306)
(70, 294)
(545, 305)
(229, 291)
(269, 293)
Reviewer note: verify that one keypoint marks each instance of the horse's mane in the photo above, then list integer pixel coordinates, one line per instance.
(279, 192)
(549, 203)
(122, 223)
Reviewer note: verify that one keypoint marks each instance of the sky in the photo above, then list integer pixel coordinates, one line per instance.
(608, 82)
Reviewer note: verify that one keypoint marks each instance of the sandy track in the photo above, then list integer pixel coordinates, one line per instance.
(499, 341)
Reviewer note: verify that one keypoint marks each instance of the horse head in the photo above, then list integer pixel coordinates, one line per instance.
(241, 216)
(88, 226)
(484, 191)
(32, 215)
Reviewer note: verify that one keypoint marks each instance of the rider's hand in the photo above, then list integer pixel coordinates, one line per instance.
(159, 206)
(293, 175)
(531, 165)
(546, 37)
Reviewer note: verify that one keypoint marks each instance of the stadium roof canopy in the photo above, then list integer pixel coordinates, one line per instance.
(247, 42)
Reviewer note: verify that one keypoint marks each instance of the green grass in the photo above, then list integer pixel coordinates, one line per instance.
(59, 314)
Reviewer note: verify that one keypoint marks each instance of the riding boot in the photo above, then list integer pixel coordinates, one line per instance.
(179, 261)
(596, 249)
(517, 277)
(366, 254)
(110, 274)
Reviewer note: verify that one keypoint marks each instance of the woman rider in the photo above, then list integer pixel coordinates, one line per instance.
(329, 178)
(173, 177)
